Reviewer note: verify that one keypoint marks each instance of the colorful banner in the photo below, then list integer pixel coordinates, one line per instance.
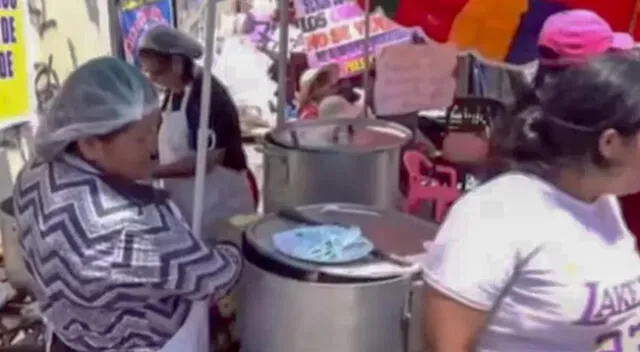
(137, 16)
(498, 31)
(334, 32)
(15, 103)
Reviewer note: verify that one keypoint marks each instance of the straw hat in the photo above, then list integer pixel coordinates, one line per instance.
(335, 106)
(309, 78)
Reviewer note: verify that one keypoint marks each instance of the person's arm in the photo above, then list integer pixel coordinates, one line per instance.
(450, 325)
(467, 268)
(173, 262)
(225, 123)
(221, 111)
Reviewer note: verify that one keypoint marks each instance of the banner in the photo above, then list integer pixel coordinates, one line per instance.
(334, 32)
(14, 69)
(137, 16)
(497, 31)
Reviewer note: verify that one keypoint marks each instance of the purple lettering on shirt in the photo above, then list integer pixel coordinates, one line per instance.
(613, 338)
(606, 302)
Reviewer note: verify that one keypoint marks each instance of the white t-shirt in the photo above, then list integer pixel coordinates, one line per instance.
(555, 273)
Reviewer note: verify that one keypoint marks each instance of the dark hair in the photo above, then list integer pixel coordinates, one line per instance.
(165, 60)
(560, 123)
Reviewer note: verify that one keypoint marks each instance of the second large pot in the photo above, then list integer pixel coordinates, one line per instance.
(335, 160)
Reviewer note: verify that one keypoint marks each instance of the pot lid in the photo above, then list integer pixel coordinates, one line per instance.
(390, 231)
(343, 135)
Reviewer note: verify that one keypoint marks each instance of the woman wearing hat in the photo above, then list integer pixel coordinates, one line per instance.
(573, 37)
(167, 56)
(114, 265)
(315, 85)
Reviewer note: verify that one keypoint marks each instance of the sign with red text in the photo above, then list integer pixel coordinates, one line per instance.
(412, 77)
(334, 32)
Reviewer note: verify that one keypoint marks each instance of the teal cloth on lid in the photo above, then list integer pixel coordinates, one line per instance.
(329, 244)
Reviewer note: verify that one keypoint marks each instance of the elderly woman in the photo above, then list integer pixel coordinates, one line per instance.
(539, 258)
(168, 57)
(114, 265)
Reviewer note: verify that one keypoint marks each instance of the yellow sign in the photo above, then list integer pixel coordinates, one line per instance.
(355, 65)
(14, 70)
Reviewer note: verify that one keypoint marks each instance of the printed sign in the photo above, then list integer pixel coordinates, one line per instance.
(14, 71)
(137, 16)
(334, 32)
(413, 77)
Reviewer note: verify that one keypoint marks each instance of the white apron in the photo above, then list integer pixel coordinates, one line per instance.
(227, 191)
(193, 336)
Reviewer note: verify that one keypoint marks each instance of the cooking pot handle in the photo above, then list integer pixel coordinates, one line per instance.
(350, 132)
(409, 320)
(295, 140)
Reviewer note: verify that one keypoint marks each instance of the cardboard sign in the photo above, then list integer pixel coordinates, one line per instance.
(411, 78)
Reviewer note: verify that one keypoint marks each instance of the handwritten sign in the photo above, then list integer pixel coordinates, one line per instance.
(412, 77)
(14, 78)
(334, 32)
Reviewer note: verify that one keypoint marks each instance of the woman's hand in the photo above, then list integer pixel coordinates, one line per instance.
(450, 326)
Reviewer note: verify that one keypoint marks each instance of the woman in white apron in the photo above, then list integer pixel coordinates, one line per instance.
(167, 56)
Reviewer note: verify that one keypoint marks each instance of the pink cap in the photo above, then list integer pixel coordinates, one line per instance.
(576, 35)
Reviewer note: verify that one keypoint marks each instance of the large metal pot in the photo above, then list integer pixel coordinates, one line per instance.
(282, 311)
(335, 160)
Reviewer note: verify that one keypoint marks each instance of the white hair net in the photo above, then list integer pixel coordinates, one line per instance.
(169, 40)
(99, 97)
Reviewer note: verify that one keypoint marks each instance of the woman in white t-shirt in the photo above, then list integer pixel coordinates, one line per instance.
(539, 259)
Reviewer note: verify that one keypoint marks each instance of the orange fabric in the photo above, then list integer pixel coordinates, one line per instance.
(488, 26)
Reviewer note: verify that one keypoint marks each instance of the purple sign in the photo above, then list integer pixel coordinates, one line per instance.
(334, 33)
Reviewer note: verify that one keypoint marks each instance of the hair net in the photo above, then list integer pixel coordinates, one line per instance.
(168, 40)
(99, 97)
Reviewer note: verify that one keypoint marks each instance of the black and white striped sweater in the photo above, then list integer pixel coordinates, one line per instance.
(111, 273)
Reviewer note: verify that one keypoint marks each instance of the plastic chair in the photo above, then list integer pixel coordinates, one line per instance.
(427, 187)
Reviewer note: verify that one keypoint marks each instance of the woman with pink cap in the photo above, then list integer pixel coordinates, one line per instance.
(574, 36)
(539, 259)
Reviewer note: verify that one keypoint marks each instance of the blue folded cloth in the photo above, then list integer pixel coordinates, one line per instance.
(324, 243)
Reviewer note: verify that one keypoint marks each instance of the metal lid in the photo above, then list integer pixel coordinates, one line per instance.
(341, 135)
(391, 231)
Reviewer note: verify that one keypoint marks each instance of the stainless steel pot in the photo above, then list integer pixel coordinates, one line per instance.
(335, 160)
(281, 311)
(283, 315)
